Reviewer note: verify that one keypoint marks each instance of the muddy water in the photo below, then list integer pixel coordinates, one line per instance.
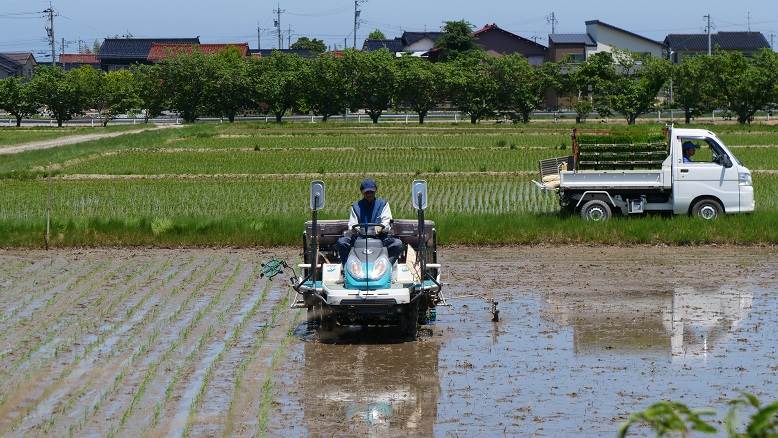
(586, 336)
(195, 342)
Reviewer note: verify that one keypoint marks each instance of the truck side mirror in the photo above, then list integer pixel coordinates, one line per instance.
(317, 195)
(419, 194)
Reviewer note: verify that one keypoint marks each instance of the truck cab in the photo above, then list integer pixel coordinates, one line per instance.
(712, 172)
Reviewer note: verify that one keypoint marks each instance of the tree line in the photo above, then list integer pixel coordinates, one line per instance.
(226, 84)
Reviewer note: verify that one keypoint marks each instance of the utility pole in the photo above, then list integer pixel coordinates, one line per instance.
(748, 20)
(289, 37)
(50, 33)
(357, 13)
(62, 47)
(551, 19)
(277, 25)
(259, 37)
(345, 43)
(707, 30)
(772, 36)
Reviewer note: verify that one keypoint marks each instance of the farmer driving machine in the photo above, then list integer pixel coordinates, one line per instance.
(367, 288)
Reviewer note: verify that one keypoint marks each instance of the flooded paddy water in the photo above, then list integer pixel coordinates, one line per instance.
(194, 342)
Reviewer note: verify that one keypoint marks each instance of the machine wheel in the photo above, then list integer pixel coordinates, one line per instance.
(596, 211)
(409, 320)
(708, 209)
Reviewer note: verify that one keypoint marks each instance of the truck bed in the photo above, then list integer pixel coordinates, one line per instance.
(614, 179)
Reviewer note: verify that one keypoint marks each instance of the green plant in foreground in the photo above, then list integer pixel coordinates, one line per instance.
(673, 418)
(667, 417)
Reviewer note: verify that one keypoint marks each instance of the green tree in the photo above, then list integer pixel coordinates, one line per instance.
(521, 87)
(372, 80)
(587, 82)
(634, 91)
(456, 41)
(746, 85)
(376, 35)
(693, 87)
(184, 77)
(325, 91)
(58, 92)
(17, 98)
(472, 87)
(118, 95)
(314, 45)
(276, 82)
(227, 86)
(150, 89)
(420, 85)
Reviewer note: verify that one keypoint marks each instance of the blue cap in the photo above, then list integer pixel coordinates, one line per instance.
(688, 145)
(368, 185)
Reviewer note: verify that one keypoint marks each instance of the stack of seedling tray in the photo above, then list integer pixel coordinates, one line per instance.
(608, 151)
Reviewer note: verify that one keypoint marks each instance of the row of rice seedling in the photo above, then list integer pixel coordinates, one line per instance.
(15, 136)
(252, 199)
(378, 139)
(92, 334)
(288, 161)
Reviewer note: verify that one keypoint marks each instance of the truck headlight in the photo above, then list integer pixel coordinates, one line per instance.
(355, 269)
(744, 179)
(379, 268)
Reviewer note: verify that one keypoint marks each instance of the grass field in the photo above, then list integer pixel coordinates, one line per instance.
(247, 184)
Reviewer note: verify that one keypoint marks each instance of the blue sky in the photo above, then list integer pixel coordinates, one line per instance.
(332, 20)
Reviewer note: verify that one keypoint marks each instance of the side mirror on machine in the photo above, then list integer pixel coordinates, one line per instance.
(419, 194)
(317, 195)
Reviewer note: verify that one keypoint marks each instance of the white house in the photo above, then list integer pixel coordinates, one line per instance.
(608, 37)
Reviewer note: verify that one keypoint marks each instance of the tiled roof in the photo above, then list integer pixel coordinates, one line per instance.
(601, 23)
(8, 65)
(160, 51)
(412, 37)
(722, 40)
(78, 58)
(303, 53)
(18, 57)
(393, 45)
(571, 38)
(541, 49)
(136, 48)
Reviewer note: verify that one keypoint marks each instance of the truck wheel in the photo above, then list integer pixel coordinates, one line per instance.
(707, 209)
(409, 320)
(596, 211)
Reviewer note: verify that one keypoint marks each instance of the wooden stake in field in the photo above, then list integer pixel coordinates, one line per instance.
(48, 207)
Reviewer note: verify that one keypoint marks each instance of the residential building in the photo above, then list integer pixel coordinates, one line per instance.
(17, 64)
(608, 37)
(499, 42)
(161, 51)
(303, 53)
(685, 45)
(69, 61)
(118, 53)
(415, 43)
(569, 46)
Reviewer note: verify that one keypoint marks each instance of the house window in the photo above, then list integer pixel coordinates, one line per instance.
(578, 57)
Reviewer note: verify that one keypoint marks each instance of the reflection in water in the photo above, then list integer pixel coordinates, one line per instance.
(686, 321)
(373, 390)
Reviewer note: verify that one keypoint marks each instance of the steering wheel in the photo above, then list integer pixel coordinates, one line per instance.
(362, 229)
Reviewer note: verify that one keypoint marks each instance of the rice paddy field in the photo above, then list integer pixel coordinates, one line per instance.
(247, 184)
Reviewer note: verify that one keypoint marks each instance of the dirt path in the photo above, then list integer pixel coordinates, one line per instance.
(196, 343)
(72, 139)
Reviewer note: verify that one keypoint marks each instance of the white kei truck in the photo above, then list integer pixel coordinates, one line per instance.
(713, 183)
